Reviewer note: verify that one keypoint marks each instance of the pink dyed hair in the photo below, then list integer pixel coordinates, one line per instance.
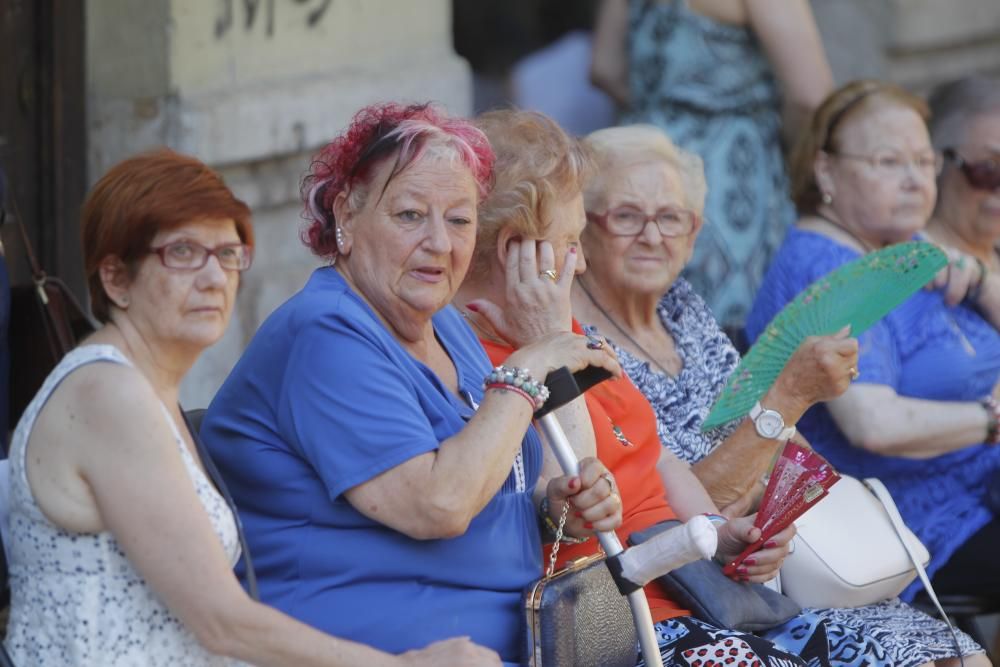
(377, 133)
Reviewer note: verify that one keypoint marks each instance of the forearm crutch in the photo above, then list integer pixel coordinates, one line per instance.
(633, 568)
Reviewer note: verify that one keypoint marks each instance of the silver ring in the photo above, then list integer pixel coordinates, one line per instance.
(594, 342)
(550, 274)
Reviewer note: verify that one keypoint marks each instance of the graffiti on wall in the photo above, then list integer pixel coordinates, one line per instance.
(251, 14)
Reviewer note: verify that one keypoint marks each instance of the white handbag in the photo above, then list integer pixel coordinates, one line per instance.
(849, 550)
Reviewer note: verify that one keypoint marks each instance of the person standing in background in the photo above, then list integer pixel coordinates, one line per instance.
(725, 79)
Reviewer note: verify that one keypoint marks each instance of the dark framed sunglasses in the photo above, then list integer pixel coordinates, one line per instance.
(981, 175)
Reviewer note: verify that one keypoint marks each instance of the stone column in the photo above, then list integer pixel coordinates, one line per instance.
(253, 88)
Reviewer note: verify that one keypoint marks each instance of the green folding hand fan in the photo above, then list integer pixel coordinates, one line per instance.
(858, 293)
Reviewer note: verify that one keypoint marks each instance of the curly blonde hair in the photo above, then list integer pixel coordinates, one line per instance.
(538, 166)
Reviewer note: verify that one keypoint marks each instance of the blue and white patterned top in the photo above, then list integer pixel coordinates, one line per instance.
(682, 402)
(922, 349)
(75, 598)
(709, 86)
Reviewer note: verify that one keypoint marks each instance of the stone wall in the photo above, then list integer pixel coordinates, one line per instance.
(253, 88)
(917, 43)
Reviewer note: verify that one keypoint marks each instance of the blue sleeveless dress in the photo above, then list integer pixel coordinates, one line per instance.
(709, 86)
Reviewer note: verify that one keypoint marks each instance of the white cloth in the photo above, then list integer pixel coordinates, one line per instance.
(75, 598)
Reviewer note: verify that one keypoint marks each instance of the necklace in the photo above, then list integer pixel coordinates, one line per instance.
(649, 357)
(865, 246)
(481, 330)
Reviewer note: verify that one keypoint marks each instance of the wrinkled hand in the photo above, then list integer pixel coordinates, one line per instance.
(820, 370)
(962, 275)
(564, 349)
(595, 504)
(537, 305)
(457, 652)
(762, 565)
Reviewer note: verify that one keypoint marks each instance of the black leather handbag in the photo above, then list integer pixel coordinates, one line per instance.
(713, 597)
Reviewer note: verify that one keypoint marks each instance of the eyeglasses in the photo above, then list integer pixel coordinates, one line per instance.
(894, 163)
(192, 256)
(982, 175)
(630, 221)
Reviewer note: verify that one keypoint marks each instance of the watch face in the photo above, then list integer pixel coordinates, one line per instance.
(769, 424)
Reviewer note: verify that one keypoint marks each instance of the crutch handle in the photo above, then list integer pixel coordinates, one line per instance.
(565, 386)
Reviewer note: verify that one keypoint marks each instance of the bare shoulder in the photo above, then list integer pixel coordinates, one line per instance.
(101, 412)
(97, 401)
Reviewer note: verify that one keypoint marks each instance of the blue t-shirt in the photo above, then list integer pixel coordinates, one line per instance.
(922, 349)
(325, 399)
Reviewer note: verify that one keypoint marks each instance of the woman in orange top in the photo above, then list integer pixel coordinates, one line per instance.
(517, 290)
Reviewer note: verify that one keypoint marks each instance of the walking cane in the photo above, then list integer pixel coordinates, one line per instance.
(633, 568)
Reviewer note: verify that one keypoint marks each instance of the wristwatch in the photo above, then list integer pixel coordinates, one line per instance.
(770, 424)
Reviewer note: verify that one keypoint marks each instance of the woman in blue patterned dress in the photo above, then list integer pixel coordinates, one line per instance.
(674, 351)
(922, 417)
(719, 76)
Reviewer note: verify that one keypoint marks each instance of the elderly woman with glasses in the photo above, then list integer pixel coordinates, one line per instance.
(921, 415)
(645, 208)
(965, 129)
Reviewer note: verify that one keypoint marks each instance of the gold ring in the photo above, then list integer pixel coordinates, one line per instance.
(550, 274)
(606, 476)
(855, 374)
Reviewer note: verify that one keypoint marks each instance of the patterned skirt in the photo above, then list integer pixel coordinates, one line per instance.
(888, 634)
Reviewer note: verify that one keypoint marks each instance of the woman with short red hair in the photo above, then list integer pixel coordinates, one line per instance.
(121, 548)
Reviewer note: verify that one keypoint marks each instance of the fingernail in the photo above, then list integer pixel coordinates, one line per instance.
(588, 525)
(770, 544)
(573, 483)
(572, 250)
(578, 515)
(742, 570)
(473, 307)
(745, 579)
(749, 561)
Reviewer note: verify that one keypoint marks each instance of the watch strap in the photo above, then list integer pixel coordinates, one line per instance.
(784, 435)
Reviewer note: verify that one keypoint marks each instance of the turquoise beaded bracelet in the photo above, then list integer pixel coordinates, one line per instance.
(521, 380)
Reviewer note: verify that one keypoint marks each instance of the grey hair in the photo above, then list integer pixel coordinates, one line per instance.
(632, 143)
(953, 104)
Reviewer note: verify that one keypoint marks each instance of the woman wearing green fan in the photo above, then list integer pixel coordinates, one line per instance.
(674, 351)
(921, 416)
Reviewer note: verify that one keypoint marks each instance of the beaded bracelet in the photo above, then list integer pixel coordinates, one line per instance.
(993, 412)
(552, 529)
(518, 380)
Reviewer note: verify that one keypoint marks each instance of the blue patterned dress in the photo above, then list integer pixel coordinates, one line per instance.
(923, 349)
(888, 634)
(709, 86)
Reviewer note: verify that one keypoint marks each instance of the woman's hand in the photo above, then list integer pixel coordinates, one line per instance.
(595, 505)
(963, 276)
(457, 652)
(820, 370)
(568, 349)
(762, 565)
(538, 298)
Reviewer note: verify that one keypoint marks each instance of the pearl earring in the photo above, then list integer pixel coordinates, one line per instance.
(827, 198)
(340, 239)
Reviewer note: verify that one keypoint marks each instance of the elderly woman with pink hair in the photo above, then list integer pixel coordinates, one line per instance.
(401, 504)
